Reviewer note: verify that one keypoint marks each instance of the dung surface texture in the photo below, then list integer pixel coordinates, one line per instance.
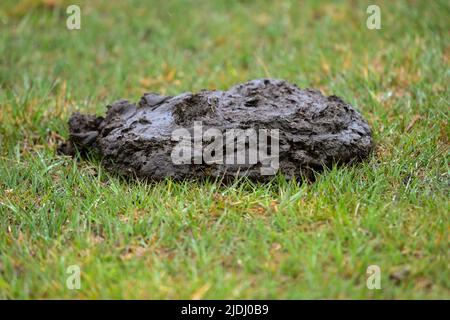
(305, 132)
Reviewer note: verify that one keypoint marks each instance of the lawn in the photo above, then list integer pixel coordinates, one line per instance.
(202, 240)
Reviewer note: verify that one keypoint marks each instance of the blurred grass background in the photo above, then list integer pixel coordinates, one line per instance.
(182, 240)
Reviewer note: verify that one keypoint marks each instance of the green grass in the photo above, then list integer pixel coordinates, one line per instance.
(285, 239)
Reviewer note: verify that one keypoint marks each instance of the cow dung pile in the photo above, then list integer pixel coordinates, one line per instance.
(255, 129)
